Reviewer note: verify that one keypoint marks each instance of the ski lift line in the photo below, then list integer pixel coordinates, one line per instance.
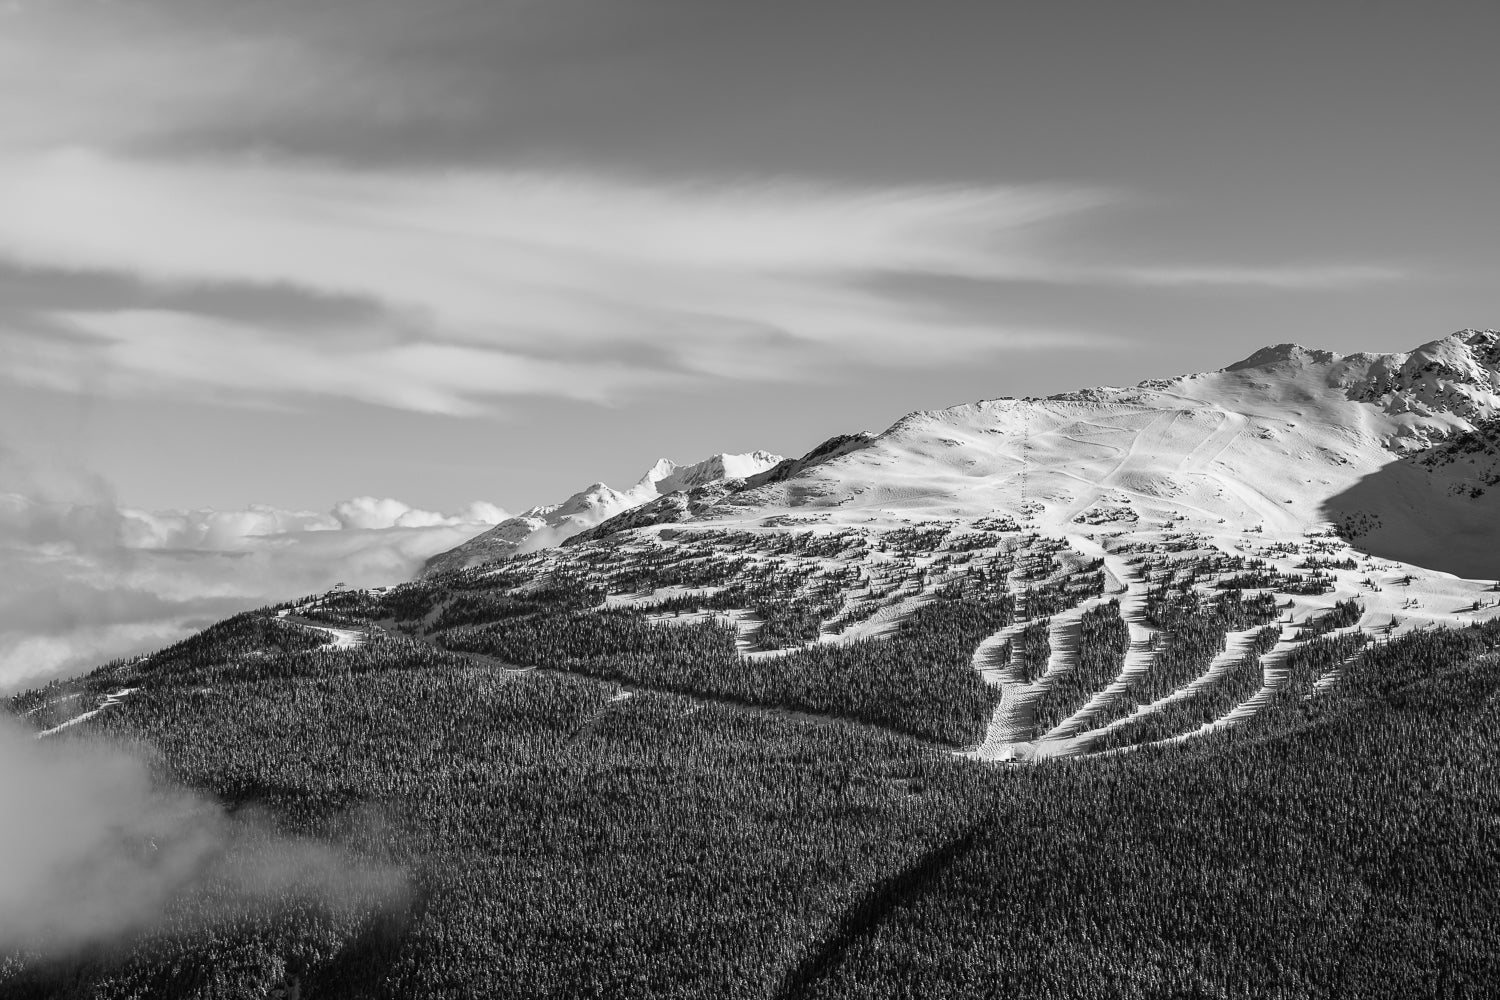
(1025, 446)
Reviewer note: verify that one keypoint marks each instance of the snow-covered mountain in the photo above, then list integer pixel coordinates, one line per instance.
(1400, 451)
(1352, 495)
(1396, 450)
(551, 524)
(1294, 495)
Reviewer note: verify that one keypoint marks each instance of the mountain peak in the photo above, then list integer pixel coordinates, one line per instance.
(714, 468)
(663, 468)
(1477, 338)
(551, 524)
(1464, 347)
(1294, 354)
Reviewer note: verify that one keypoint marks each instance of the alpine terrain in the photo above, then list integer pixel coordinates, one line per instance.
(550, 524)
(1183, 688)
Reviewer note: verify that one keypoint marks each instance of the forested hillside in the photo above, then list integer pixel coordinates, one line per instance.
(763, 763)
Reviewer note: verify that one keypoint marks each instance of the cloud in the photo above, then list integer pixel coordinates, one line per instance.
(1305, 277)
(87, 580)
(159, 71)
(94, 849)
(379, 513)
(486, 283)
(70, 603)
(215, 530)
(63, 611)
(258, 524)
(275, 282)
(229, 177)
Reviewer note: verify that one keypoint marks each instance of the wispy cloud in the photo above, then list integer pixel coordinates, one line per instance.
(231, 177)
(486, 284)
(1287, 277)
(269, 281)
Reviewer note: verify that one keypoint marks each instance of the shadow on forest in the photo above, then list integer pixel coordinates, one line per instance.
(875, 906)
(361, 967)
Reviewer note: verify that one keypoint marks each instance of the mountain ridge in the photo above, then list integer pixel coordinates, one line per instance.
(552, 524)
(1305, 426)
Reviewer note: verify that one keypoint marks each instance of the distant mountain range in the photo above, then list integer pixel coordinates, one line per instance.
(551, 524)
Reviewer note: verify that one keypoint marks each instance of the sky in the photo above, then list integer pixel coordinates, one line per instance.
(260, 258)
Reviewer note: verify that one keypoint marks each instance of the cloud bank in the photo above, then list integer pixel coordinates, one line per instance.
(87, 580)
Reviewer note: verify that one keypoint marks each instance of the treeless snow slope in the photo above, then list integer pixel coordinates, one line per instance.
(1279, 442)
